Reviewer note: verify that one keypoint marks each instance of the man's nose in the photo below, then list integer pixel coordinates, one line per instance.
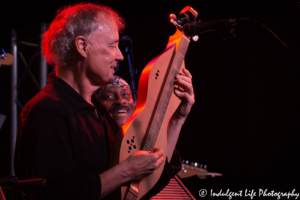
(119, 55)
(120, 100)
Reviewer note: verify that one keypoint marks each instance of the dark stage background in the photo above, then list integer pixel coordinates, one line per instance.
(245, 121)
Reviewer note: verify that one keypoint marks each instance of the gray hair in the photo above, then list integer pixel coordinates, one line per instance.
(81, 19)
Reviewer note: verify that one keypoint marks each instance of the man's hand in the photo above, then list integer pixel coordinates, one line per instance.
(137, 166)
(143, 163)
(186, 93)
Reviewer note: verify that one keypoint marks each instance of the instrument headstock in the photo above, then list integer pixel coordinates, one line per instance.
(187, 15)
(193, 169)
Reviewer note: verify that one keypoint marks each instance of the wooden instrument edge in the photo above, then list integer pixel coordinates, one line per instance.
(145, 105)
(135, 136)
(119, 145)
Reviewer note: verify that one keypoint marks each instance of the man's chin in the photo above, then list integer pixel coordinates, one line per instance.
(106, 81)
(120, 118)
(112, 80)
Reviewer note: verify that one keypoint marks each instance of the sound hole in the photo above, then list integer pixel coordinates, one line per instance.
(157, 74)
(131, 144)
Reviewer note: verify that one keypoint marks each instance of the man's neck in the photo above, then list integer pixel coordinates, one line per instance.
(78, 81)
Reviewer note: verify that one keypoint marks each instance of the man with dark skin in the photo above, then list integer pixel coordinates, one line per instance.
(119, 102)
(64, 135)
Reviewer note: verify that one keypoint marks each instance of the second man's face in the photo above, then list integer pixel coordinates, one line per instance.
(119, 103)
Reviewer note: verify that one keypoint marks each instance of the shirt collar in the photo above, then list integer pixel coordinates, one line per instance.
(101, 108)
(69, 93)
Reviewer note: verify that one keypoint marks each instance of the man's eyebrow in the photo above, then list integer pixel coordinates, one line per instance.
(107, 91)
(125, 88)
(114, 41)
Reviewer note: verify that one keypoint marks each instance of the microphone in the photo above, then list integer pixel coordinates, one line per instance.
(127, 43)
(195, 28)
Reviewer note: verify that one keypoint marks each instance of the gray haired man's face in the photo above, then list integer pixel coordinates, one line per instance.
(119, 103)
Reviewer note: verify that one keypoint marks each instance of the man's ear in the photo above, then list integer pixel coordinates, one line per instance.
(81, 44)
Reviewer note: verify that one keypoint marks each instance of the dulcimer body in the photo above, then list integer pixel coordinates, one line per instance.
(156, 103)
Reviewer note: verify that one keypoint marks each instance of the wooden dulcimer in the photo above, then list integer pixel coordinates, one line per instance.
(156, 103)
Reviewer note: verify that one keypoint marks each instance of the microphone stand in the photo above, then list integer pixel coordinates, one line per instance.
(129, 53)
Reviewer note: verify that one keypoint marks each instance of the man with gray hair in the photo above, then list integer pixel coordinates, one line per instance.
(65, 134)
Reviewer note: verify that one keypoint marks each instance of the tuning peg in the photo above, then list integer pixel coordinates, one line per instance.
(173, 20)
(187, 162)
(173, 17)
(195, 38)
(205, 167)
(196, 164)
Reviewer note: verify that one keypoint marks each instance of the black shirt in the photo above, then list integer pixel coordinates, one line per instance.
(67, 141)
(61, 139)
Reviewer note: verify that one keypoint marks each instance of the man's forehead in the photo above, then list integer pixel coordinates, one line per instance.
(119, 82)
(107, 27)
(105, 34)
(117, 89)
(105, 23)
